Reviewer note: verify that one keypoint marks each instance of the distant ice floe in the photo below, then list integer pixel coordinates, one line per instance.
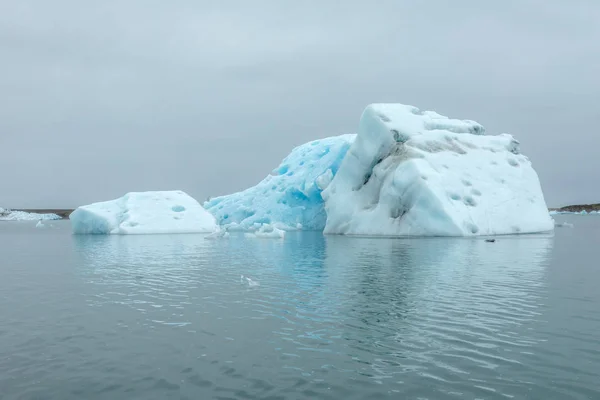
(9, 215)
(584, 212)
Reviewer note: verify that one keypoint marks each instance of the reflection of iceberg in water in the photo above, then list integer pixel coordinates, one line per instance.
(367, 309)
(152, 274)
(449, 305)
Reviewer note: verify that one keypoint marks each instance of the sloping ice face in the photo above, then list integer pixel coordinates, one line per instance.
(290, 197)
(417, 173)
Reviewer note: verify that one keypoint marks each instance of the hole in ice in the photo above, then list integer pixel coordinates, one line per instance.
(476, 192)
(424, 177)
(283, 169)
(301, 163)
(466, 182)
(397, 212)
(316, 142)
(274, 187)
(178, 208)
(397, 136)
(384, 118)
(290, 173)
(454, 196)
(445, 166)
(513, 162)
(469, 201)
(471, 227)
(225, 216)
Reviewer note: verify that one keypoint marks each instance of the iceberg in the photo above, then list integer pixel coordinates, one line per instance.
(144, 213)
(290, 197)
(10, 215)
(417, 173)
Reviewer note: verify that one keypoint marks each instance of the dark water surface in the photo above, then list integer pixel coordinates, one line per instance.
(169, 317)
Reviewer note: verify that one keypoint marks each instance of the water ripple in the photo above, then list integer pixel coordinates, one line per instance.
(333, 317)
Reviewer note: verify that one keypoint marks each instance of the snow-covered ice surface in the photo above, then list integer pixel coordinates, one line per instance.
(144, 213)
(266, 231)
(290, 197)
(9, 215)
(417, 173)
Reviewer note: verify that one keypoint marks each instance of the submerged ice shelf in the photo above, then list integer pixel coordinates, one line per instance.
(417, 173)
(144, 213)
(290, 197)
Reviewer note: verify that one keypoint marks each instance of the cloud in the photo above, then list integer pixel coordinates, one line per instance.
(99, 99)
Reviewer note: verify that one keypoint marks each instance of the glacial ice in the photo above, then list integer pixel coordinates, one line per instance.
(290, 197)
(220, 233)
(417, 173)
(267, 231)
(144, 213)
(10, 215)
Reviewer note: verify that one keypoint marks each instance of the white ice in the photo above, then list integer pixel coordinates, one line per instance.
(144, 213)
(9, 215)
(290, 197)
(563, 225)
(266, 231)
(244, 280)
(412, 172)
(220, 233)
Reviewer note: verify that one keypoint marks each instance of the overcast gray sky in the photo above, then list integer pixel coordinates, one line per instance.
(100, 98)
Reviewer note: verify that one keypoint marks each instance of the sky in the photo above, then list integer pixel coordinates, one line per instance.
(101, 98)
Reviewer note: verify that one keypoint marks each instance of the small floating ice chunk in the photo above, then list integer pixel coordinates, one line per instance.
(266, 231)
(220, 233)
(563, 225)
(248, 281)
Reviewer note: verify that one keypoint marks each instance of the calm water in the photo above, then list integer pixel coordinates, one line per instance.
(168, 317)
